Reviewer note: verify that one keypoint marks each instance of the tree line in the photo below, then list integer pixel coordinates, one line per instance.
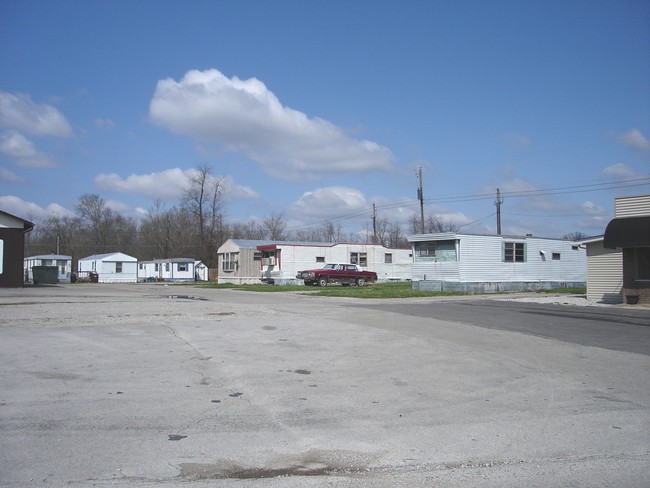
(196, 227)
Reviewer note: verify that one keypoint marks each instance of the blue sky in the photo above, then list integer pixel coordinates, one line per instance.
(315, 110)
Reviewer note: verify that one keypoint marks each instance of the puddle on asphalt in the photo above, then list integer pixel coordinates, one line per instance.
(312, 463)
(176, 437)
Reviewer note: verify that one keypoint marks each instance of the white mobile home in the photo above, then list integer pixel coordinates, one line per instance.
(174, 269)
(249, 261)
(491, 263)
(62, 263)
(114, 267)
(281, 261)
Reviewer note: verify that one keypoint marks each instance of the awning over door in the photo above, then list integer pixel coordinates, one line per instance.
(628, 232)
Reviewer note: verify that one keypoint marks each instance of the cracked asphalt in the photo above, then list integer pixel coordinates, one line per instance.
(151, 385)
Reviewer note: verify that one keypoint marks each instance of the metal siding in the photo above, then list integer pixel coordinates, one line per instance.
(481, 260)
(637, 206)
(605, 274)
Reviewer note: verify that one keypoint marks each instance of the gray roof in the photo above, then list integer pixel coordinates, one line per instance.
(252, 244)
(60, 257)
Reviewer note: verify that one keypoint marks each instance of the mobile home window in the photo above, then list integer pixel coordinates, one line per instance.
(425, 249)
(229, 262)
(388, 258)
(514, 252)
(257, 256)
(182, 266)
(167, 267)
(320, 259)
(360, 258)
(556, 256)
(118, 267)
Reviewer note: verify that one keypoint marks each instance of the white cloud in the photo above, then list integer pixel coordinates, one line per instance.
(166, 185)
(104, 123)
(590, 208)
(620, 171)
(10, 176)
(18, 111)
(245, 117)
(22, 152)
(517, 140)
(29, 210)
(330, 203)
(635, 140)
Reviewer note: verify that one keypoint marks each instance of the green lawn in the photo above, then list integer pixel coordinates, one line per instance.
(376, 290)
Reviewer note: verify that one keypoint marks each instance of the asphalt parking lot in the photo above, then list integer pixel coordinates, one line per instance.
(151, 385)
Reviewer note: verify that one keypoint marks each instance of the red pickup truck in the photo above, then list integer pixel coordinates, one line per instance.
(346, 274)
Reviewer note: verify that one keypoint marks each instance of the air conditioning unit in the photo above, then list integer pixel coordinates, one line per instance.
(268, 261)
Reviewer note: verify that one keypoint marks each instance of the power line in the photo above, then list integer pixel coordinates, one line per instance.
(580, 188)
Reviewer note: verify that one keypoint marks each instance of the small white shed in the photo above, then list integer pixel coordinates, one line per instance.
(113, 267)
(201, 271)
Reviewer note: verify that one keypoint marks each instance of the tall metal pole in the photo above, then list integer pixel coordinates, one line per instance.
(498, 203)
(374, 224)
(421, 198)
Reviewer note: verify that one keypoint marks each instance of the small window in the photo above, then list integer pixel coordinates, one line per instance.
(167, 267)
(257, 256)
(118, 267)
(141, 266)
(388, 258)
(360, 258)
(155, 267)
(182, 266)
(320, 259)
(514, 252)
(556, 256)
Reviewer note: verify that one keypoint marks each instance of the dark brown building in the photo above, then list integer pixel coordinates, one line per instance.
(12, 249)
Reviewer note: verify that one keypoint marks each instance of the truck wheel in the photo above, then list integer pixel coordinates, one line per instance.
(361, 281)
(322, 281)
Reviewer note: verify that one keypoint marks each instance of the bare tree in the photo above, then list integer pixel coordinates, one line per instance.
(275, 227)
(574, 236)
(435, 224)
(97, 218)
(204, 201)
(414, 223)
(248, 229)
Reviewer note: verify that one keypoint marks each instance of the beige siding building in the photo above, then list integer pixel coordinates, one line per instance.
(629, 233)
(614, 271)
(604, 272)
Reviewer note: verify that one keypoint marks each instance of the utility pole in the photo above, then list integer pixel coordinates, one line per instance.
(498, 203)
(374, 224)
(421, 198)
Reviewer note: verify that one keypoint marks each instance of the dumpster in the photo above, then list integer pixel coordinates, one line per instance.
(45, 275)
(94, 277)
